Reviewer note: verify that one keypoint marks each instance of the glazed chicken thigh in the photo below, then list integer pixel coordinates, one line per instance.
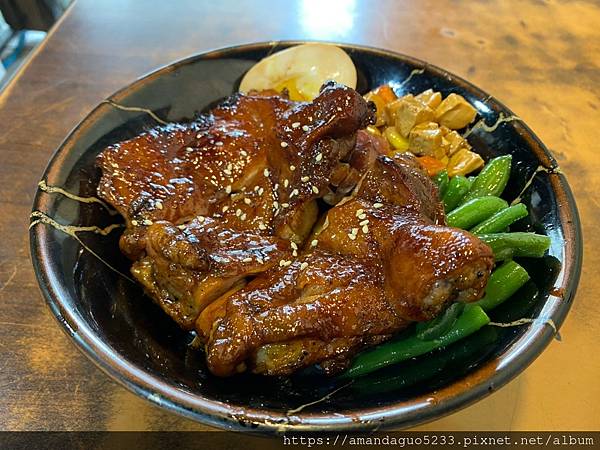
(281, 234)
(211, 202)
(379, 262)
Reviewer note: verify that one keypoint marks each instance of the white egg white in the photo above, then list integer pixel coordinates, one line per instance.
(302, 70)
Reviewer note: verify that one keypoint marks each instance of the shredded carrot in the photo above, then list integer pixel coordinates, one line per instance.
(386, 93)
(432, 165)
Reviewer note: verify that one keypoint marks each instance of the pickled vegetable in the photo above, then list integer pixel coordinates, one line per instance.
(380, 105)
(426, 140)
(432, 165)
(430, 98)
(374, 130)
(455, 112)
(452, 141)
(424, 124)
(386, 93)
(395, 139)
(408, 112)
(464, 162)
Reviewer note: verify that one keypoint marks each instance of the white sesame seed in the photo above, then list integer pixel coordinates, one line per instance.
(266, 172)
(261, 226)
(247, 260)
(260, 191)
(227, 172)
(295, 253)
(362, 216)
(339, 108)
(305, 128)
(189, 149)
(314, 243)
(243, 216)
(285, 205)
(256, 188)
(292, 168)
(276, 205)
(238, 212)
(182, 226)
(315, 189)
(225, 208)
(295, 124)
(284, 144)
(359, 212)
(294, 192)
(365, 229)
(243, 152)
(229, 166)
(199, 135)
(228, 189)
(201, 219)
(159, 205)
(364, 222)
(351, 236)
(247, 201)
(319, 157)
(135, 223)
(294, 245)
(304, 179)
(219, 144)
(276, 186)
(355, 231)
(147, 222)
(286, 183)
(260, 260)
(377, 205)
(304, 265)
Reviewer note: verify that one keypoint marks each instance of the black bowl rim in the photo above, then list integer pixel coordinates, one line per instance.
(479, 383)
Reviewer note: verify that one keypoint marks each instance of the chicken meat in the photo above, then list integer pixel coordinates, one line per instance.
(281, 233)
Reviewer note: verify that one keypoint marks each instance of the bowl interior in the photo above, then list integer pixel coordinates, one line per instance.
(112, 319)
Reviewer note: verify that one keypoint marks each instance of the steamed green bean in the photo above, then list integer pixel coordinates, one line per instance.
(501, 220)
(492, 179)
(518, 244)
(475, 211)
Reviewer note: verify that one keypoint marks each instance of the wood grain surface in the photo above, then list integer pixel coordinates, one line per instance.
(541, 58)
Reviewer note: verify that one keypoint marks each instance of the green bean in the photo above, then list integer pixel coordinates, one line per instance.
(471, 320)
(502, 284)
(442, 180)
(475, 211)
(440, 325)
(517, 244)
(457, 356)
(492, 179)
(501, 220)
(457, 189)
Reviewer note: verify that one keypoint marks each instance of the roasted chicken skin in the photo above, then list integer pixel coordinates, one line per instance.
(225, 197)
(380, 262)
(263, 149)
(229, 230)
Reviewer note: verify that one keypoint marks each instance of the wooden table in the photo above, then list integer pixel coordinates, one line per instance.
(540, 58)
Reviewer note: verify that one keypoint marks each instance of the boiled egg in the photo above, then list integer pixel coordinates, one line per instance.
(301, 70)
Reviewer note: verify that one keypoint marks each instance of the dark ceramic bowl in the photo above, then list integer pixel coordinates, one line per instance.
(128, 337)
